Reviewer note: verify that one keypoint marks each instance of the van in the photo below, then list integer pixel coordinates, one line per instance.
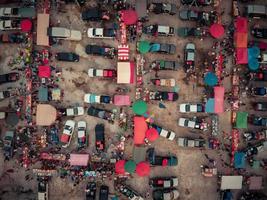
(256, 11)
(64, 33)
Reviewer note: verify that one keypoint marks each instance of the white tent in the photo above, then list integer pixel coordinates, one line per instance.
(231, 182)
(125, 72)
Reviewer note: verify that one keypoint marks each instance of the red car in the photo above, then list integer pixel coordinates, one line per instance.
(106, 73)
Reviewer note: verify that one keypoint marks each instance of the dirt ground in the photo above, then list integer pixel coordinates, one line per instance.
(75, 83)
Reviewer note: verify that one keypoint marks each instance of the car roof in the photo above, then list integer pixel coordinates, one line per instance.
(190, 46)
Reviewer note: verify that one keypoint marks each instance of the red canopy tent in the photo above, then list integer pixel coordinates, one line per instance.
(119, 167)
(218, 99)
(123, 52)
(241, 40)
(44, 71)
(140, 128)
(152, 134)
(129, 17)
(26, 25)
(143, 169)
(216, 30)
(241, 56)
(241, 25)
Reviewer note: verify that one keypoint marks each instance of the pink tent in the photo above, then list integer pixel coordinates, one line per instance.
(129, 17)
(219, 99)
(241, 56)
(44, 71)
(241, 25)
(122, 100)
(216, 30)
(79, 159)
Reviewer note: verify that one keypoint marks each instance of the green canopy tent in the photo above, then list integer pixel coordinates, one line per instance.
(241, 120)
(139, 107)
(130, 166)
(143, 47)
(43, 94)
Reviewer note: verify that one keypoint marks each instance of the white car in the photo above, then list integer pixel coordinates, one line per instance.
(7, 25)
(95, 72)
(64, 33)
(195, 124)
(93, 98)
(82, 140)
(101, 33)
(187, 107)
(75, 111)
(26, 12)
(67, 133)
(170, 135)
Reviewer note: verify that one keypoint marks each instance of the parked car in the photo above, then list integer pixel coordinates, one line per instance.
(258, 135)
(260, 75)
(158, 30)
(163, 182)
(12, 38)
(10, 25)
(164, 65)
(162, 48)
(191, 15)
(190, 54)
(107, 33)
(187, 142)
(95, 14)
(54, 135)
(4, 94)
(258, 121)
(64, 33)
(260, 106)
(159, 8)
(93, 98)
(42, 188)
(256, 11)
(259, 91)
(161, 160)
(170, 135)
(10, 77)
(106, 51)
(67, 133)
(128, 192)
(165, 194)
(259, 33)
(201, 17)
(103, 192)
(82, 137)
(100, 137)
(191, 107)
(106, 73)
(90, 191)
(191, 31)
(67, 56)
(75, 111)
(195, 124)
(163, 96)
(164, 82)
(9, 144)
(251, 150)
(9, 12)
(101, 113)
(197, 2)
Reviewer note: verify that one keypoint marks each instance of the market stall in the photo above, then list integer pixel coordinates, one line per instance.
(140, 128)
(42, 25)
(239, 160)
(231, 182)
(125, 72)
(45, 115)
(122, 100)
(123, 52)
(79, 159)
(44, 71)
(218, 99)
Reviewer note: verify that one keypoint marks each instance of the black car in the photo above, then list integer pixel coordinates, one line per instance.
(161, 160)
(190, 15)
(103, 193)
(260, 106)
(254, 150)
(259, 33)
(159, 8)
(100, 137)
(128, 192)
(259, 91)
(90, 191)
(165, 65)
(105, 51)
(10, 77)
(95, 14)
(197, 2)
(101, 113)
(67, 56)
(165, 194)
(9, 143)
(258, 121)
(12, 38)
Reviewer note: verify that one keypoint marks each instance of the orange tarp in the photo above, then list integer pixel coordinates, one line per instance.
(140, 128)
(241, 40)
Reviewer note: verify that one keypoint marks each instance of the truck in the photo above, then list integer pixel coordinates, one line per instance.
(187, 142)
(10, 25)
(15, 12)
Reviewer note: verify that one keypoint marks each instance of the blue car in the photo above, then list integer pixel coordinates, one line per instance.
(259, 91)
(259, 121)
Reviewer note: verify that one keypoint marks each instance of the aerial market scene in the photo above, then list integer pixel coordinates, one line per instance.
(133, 99)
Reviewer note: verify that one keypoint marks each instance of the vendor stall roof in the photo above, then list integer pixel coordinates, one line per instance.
(43, 94)
(216, 30)
(45, 115)
(122, 100)
(125, 72)
(241, 25)
(255, 183)
(123, 52)
(241, 40)
(79, 159)
(209, 107)
(129, 17)
(231, 182)
(42, 25)
(239, 160)
(44, 71)
(140, 128)
(241, 56)
(218, 99)
(241, 120)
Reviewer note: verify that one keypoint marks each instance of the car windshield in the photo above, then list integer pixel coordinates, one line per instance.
(69, 128)
(187, 108)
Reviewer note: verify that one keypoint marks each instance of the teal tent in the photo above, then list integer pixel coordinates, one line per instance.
(210, 79)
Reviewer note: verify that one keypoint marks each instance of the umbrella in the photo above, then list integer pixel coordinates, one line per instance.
(12, 119)
(253, 64)
(143, 46)
(119, 167)
(26, 25)
(143, 169)
(216, 30)
(152, 134)
(130, 166)
(210, 79)
(254, 52)
(139, 107)
(129, 17)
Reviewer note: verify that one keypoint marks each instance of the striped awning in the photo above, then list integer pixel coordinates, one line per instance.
(123, 52)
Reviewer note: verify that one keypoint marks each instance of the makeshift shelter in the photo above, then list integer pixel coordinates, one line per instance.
(216, 30)
(122, 100)
(140, 128)
(123, 52)
(139, 107)
(79, 159)
(125, 72)
(119, 167)
(152, 134)
(130, 166)
(141, 8)
(218, 99)
(239, 160)
(143, 169)
(210, 79)
(231, 182)
(139, 154)
(42, 25)
(255, 183)
(209, 107)
(128, 17)
(241, 120)
(143, 47)
(44, 71)
(43, 94)
(241, 56)
(45, 115)
(26, 25)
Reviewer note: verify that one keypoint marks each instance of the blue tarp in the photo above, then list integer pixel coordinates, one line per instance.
(253, 54)
(210, 79)
(154, 47)
(239, 160)
(253, 64)
(209, 107)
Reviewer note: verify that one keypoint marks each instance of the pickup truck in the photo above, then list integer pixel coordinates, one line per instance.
(10, 25)
(26, 12)
(186, 142)
(64, 33)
